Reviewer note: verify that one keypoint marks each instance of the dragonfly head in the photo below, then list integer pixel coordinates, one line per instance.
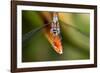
(55, 31)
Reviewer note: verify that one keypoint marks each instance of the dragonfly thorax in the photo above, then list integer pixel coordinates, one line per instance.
(55, 29)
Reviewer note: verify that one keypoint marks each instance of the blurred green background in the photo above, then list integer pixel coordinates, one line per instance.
(75, 42)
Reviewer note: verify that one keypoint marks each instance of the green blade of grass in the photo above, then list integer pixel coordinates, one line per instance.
(67, 25)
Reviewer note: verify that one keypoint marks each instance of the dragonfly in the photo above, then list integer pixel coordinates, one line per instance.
(53, 34)
(52, 31)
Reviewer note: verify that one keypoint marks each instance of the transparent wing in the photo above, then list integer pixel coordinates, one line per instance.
(30, 34)
(34, 31)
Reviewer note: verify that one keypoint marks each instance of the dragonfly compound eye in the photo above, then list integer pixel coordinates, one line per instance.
(55, 30)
